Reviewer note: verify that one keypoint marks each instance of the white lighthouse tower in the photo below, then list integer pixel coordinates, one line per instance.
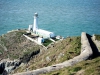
(35, 23)
(42, 33)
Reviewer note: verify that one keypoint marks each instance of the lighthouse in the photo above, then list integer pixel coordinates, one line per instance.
(40, 32)
(35, 23)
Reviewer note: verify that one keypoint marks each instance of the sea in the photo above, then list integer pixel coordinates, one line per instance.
(63, 17)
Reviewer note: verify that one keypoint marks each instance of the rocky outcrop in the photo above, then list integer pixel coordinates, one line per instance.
(8, 65)
(86, 52)
(14, 45)
(26, 58)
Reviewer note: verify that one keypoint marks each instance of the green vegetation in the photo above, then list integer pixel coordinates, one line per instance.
(56, 53)
(97, 37)
(47, 42)
(88, 67)
(14, 45)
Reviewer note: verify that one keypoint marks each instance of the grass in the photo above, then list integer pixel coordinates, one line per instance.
(88, 67)
(47, 42)
(1, 51)
(97, 37)
(16, 44)
(19, 47)
(57, 53)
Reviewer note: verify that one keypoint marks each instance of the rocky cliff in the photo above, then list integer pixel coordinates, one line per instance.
(18, 54)
(15, 49)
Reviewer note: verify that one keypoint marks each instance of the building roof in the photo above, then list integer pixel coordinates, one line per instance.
(44, 31)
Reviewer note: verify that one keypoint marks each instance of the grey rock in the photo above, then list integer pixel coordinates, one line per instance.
(8, 65)
(60, 55)
(48, 59)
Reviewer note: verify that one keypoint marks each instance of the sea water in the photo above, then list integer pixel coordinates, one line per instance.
(63, 17)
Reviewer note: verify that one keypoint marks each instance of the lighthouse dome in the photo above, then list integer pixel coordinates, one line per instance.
(36, 14)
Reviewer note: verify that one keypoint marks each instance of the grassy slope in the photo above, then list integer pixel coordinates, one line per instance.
(16, 45)
(89, 67)
(59, 52)
(98, 37)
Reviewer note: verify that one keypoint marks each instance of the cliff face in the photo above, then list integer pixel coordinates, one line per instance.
(16, 49)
